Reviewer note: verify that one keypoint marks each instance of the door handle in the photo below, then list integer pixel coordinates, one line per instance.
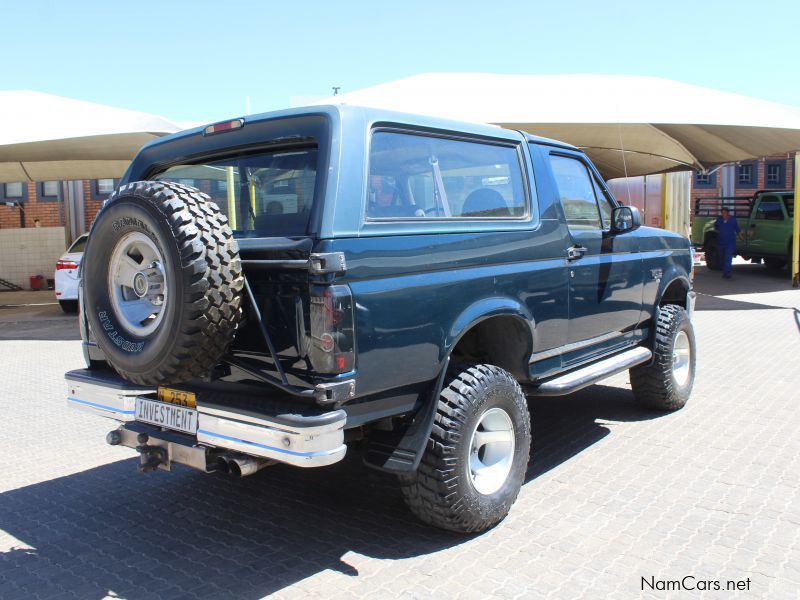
(575, 252)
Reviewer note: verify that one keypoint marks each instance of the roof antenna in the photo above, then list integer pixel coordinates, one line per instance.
(625, 165)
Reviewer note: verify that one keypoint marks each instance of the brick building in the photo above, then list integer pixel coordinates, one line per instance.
(37, 224)
(22, 204)
(745, 178)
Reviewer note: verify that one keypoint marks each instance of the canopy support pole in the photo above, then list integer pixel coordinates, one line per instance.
(230, 182)
(794, 264)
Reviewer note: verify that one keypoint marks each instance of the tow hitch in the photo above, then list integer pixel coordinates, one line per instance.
(149, 456)
(159, 450)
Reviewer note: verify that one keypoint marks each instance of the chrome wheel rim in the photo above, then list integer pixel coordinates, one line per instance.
(681, 358)
(491, 451)
(136, 284)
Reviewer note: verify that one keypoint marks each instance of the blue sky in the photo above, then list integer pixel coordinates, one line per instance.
(198, 61)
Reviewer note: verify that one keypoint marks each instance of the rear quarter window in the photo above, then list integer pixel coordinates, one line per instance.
(416, 177)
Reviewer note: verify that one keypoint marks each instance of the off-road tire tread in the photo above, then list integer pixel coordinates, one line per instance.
(209, 255)
(652, 384)
(430, 492)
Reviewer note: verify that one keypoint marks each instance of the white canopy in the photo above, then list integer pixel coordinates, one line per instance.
(45, 137)
(660, 124)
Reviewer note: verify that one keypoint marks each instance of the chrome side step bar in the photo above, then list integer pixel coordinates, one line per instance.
(581, 378)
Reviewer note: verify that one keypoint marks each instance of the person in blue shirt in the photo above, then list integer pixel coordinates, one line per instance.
(727, 230)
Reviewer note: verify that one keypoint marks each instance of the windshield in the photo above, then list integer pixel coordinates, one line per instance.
(268, 194)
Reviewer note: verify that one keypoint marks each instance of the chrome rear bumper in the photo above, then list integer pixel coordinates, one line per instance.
(303, 440)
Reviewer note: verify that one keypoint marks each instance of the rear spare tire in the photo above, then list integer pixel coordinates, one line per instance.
(162, 282)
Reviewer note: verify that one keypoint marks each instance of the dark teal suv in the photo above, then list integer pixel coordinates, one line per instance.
(296, 285)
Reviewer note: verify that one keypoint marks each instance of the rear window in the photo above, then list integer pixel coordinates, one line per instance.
(78, 245)
(416, 176)
(770, 209)
(269, 194)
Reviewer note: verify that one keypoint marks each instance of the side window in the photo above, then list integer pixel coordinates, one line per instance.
(415, 176)
(788, 202)
(769, 209)
(576, 190)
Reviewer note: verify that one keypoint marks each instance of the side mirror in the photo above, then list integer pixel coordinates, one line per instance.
(625, 218)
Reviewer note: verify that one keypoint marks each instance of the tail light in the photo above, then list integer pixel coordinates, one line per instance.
(66, 264)
(331, 348)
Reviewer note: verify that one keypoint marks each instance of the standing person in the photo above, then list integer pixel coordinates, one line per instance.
(727, 230)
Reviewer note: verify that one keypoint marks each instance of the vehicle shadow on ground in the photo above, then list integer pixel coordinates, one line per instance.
(186, 534)
(564, 426)
(748, 279)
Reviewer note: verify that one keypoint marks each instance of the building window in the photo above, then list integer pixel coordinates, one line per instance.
(13, 191)
(49, 190)
(747, 175)
(105, 186)
(775, 174)
(101, 189)
(705, 180)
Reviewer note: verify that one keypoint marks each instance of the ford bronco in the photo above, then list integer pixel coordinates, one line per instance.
(292, 286)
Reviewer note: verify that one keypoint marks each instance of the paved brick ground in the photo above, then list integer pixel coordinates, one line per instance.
(613, 494)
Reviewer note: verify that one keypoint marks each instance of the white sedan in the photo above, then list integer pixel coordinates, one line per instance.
(67, 275)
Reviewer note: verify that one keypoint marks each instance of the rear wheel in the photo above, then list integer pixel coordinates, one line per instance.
(162, 282)
(712, 254)
(477, 454)
(667, 383)
(774, 264)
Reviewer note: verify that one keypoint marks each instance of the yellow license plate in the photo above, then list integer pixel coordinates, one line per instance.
(177, 397)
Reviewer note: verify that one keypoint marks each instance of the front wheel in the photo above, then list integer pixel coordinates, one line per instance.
(477, 453)
(667, 383)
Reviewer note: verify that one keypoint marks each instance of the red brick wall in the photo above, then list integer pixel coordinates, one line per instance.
(90, 206)
(748, 192)
(47, 211)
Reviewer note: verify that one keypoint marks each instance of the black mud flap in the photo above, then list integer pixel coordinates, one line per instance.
(400, 451)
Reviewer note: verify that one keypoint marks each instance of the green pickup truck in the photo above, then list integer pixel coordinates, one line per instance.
(765, 220)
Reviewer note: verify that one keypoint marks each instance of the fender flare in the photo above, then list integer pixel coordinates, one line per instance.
(402, 452)
(670, 277)
(486, 308)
